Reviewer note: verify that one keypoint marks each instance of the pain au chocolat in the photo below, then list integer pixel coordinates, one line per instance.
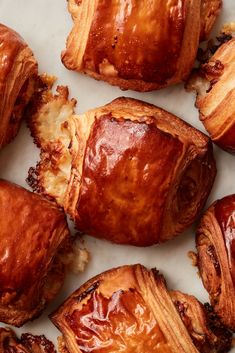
(28, 343)
(130, 309)
(18, 72)
(139, 45)
(214, 83)
(33, 237)
(128, 171)
(216, 257)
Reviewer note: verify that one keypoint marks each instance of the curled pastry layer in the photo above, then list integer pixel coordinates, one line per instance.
(137, 45)
(216, 257)
(214, 83)
(130, 307)
(33, 235)
(18, 72)
(128, 171)
(28, 343)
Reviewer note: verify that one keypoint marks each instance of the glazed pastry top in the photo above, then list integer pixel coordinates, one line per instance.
(18, 72)
(33, 232)
(28, 237)
(122, 39)
(137, 45)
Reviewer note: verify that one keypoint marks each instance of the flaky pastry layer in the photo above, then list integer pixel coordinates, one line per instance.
(214, 83)
(216, 257)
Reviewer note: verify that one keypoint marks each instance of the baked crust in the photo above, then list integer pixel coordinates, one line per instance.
(139, 46)
(214, 83)
(130, 307)
(216, 257)
(105, 166)
(18, 72)
(28, 343)
(33, 232)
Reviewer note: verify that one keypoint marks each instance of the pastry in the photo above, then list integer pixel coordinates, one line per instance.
(10, 343)
(18, 77)
(128, 172)
(105, 166)
(138, 45)
(214, 83)
(216, 257)
(33, 235)
(130, 309)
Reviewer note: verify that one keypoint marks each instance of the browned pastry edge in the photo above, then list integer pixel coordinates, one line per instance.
(201, 330)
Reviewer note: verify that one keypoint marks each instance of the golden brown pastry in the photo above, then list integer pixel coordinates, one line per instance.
(214, 83)
(216, 257)
(137, 45)
(33, 234)
(130, 309)
(28, 343)
(128, 171)
(18, 72)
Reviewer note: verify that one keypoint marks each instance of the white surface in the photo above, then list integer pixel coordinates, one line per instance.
(45, 24)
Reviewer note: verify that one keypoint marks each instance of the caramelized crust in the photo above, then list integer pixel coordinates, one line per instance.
(9, 343)
(216, 257)
(33, 232)
(215, 87)
(18, 72)
(128, 172)
(137, 45)
(130, 308)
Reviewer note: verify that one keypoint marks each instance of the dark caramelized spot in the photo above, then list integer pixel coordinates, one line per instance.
(37, 344)
(182, 310)
(203, 56)
(223, 334)
(116, 324)
(225, 215)
(187, 190)
(27, 344)
(88, 291)
(214, 69)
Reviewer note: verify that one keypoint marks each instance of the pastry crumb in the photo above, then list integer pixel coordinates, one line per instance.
(193, 257)
(76, 259)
